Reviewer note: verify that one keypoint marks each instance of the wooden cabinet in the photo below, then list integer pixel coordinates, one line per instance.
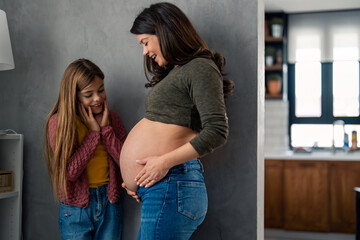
(274, 175)
(344, 176)
(311, 195)
(306, 194)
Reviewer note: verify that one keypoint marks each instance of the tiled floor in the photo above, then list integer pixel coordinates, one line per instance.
(277, 234)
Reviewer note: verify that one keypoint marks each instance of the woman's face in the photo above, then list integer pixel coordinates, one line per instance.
(151, 48)
(93, 95)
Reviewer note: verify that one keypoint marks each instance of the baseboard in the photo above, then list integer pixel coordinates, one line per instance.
(298, 235)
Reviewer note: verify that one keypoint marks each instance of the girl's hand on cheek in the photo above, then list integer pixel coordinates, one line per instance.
(88, 118)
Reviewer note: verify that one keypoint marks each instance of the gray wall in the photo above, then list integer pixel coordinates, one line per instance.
(48, 34)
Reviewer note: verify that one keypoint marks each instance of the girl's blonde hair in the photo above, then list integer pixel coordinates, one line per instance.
(78, 75)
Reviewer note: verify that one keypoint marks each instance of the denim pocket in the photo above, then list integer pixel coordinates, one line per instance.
(73, 221)
(117, 207)
(192, 199)
(68, 212)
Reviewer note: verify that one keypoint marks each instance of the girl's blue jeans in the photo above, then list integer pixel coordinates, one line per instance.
(100, 220)
(175, 206)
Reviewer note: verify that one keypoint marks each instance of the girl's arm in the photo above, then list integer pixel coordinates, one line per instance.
(113, 136)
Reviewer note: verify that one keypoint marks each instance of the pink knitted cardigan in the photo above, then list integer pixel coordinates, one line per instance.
(113, 137)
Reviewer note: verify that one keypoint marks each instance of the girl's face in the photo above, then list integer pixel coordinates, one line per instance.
(151, 48)
(93, 95)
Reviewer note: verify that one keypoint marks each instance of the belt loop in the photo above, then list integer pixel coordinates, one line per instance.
(201, 166)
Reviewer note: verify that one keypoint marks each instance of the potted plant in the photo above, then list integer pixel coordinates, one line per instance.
(276, 26)
(273, 82)
(269, 55)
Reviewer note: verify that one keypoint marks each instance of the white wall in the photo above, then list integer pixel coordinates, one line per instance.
(276, 126)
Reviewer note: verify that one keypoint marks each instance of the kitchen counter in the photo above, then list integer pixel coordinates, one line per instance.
(317, 155)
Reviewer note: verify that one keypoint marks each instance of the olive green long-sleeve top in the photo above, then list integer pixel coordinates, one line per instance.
(192, 96)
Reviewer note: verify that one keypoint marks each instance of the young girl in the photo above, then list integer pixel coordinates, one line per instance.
(83, 143)
(185, 119)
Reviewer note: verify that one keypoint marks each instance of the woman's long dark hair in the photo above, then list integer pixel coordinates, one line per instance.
(179, 42)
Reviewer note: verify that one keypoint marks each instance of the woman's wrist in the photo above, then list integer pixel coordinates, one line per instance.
(178, 156)
(166, 162)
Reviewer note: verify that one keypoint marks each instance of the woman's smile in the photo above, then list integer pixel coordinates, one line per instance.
(151, 48)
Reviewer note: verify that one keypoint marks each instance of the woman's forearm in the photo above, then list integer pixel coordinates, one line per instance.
(180, 155)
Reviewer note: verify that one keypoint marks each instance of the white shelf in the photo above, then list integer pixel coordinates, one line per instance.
(5, 195)
(11, 136)
(11, 159)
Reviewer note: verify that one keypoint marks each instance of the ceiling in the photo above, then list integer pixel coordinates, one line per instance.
(297, 6)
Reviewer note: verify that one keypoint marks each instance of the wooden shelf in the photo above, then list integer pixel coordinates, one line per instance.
(279, 44)
(273, 39)
(274, 67)
(270, 96)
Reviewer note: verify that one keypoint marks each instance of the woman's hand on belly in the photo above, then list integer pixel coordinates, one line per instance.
(156, 167)
(154, 170)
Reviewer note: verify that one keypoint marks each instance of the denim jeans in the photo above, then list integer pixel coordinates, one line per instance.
(174, 207)
(100, 220)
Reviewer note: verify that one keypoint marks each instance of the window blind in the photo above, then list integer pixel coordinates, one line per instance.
(334, 35)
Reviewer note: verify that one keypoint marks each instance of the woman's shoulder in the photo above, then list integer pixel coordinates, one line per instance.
(200, 68)
(200, 63)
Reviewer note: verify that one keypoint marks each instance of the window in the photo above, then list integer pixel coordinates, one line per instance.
(323, 78)
(308, 73)
(346, 88)
(346, 76)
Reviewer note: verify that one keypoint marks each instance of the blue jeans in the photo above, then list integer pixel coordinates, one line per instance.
(175, 206)
(100, 220)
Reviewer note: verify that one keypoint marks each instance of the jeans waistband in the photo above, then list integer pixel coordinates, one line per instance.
(98, 190)
(189, 165)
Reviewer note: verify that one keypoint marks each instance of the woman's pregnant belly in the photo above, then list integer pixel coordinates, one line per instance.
(149, 138)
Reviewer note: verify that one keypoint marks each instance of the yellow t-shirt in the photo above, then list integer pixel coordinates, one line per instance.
(98, 167)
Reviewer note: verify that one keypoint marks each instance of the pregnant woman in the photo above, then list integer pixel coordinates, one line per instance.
(185, 119)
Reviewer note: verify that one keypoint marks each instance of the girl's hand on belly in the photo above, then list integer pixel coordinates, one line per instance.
(153, 171)
(131, 193)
